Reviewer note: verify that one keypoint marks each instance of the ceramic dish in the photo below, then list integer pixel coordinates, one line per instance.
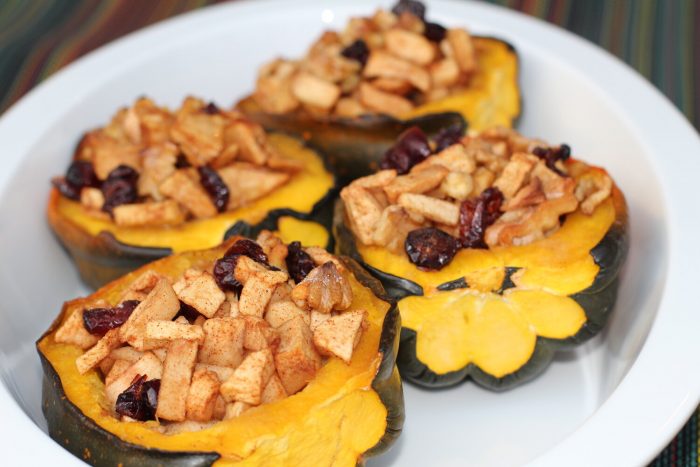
(616, 401)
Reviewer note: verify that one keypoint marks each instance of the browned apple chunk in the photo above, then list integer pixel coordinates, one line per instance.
(296, 358)
(273, 391)
(223, 342)
(73, 331)
(202, 395)
(248, 381)
(160, 304)
(175, 382)
(338, 335)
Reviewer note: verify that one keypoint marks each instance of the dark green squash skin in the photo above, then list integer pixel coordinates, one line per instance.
(597, 301)
(387, 382)
(82, 437)
(105, 258)
(102, 258)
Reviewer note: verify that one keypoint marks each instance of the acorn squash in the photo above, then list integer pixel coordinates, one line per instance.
(498, 315)
(103, 251)
(355, 145)
(346, 414)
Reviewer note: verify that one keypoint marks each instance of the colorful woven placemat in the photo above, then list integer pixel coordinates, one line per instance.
(659, 38)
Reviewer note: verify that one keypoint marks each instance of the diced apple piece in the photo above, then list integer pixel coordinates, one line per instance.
(176, 379)
(223, 342)
(222, 372)
(280, 312)
(296, 359)
(119, 367)
(249, 379)
(259, 334)
(202, 293)
(159, 330)
(274, 390)
(160, 304)
(338, 335)
(201, 398)
(98, 352)
(73, 331)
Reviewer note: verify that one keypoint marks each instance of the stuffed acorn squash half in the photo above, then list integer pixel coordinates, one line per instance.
(244, 354)
(500, 249)
(357, 89)
(153, 182)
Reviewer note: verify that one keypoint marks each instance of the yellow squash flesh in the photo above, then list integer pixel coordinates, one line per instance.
(309, 233)
(317, 426)
(493, 96)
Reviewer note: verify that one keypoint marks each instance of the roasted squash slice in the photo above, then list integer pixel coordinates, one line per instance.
(358, 88)
(345, 414)
(498, 315)
(104, 251)
(355, 145)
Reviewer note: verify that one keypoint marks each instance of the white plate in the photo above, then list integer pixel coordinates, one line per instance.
(616, 401)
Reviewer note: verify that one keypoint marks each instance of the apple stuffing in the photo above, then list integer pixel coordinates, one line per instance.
(251, 328)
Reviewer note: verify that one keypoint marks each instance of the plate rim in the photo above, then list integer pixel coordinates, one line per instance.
(617, 413)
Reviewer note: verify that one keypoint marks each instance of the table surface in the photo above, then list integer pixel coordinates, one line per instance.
(658, 38)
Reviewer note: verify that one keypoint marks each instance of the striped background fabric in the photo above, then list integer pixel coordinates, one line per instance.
(658, 38)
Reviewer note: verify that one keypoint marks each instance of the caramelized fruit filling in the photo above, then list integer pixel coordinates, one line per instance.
(489, 189)
(250, 328)
(390, 63)
(153, 167)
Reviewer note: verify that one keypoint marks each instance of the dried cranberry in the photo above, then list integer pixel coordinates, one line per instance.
(430, 248)
(100, 320)
(123, 172)
(358, 51)
(410, 148)
(211, 109)
(181, 162)
(409, 6)
(224, 273)
(248, 248)
(299, 262)
(215, 187)
(476, 214)
(225, 267)
(446, 137)
(65, 188)
(188, 312)
(564, 152)
(81, 174)
(552, 155)
(434, 32)
(540, 152)
(140, 400)
(120, 188)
